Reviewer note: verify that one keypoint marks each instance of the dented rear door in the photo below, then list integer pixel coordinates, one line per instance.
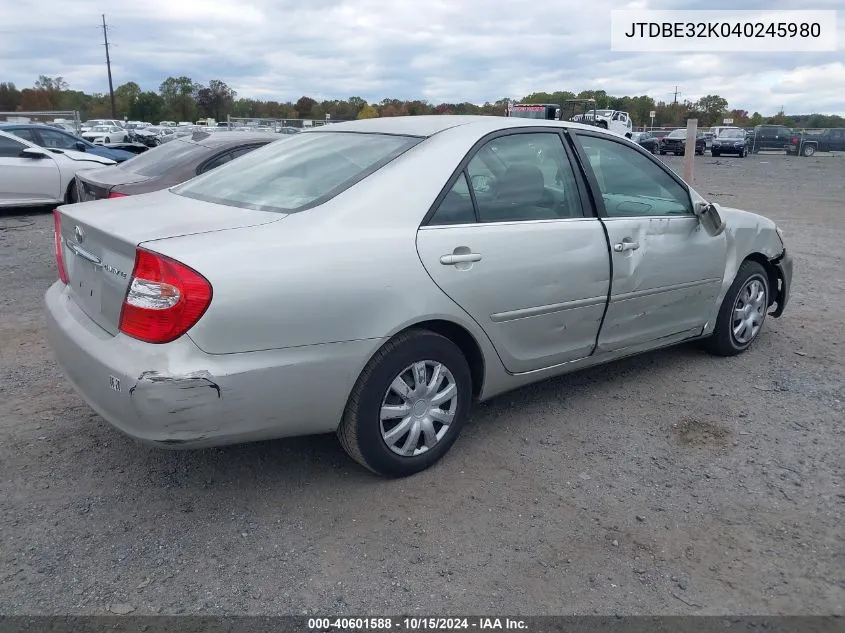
(667, 275)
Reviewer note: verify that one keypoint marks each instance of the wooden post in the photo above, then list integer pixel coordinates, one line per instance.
(689, 152)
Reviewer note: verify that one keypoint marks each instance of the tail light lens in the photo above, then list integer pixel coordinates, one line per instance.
(795, 140)
(57, 240)
(115, 194)
(165, 299)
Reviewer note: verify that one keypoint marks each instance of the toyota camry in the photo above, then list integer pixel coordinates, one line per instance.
(375, 278)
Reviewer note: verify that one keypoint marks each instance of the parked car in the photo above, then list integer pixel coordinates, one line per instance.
(730, 141)
(371, 278)
(155, 135)
(646, 140)
(769, 137)
(92, 123)
(675, 143)
(55, 138)
(106, 134)
(168, 165)
(829, 140)
(32, 176)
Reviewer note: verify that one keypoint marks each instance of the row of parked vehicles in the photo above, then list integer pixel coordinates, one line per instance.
(42, 165)
(741, 142)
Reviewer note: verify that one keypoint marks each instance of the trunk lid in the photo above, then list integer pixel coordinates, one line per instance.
(99, 239)
(93, 184)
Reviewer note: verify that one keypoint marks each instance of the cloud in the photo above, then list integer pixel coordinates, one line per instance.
(440, 50)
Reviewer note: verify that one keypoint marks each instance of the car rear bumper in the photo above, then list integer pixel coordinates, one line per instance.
(176, 395)
(783, 264)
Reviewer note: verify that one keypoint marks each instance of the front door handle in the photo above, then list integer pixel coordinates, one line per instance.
(452, 259)
(626, 245)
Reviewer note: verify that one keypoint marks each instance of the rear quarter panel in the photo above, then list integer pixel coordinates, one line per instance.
(346, 270)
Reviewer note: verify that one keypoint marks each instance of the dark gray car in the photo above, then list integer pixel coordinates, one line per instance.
(170, 164)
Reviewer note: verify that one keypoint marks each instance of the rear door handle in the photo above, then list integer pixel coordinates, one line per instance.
(626, 245)
(452, 259)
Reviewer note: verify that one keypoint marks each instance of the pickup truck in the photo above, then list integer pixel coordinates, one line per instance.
(830, 140)
(768, 137)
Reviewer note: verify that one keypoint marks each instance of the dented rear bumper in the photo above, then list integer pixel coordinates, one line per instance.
(783, 264)
(176, 395)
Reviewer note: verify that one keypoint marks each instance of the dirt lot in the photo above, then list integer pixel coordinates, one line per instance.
(671, 483)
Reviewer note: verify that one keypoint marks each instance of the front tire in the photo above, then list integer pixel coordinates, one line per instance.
(107, 140)
(408, 405)
(742, 313)
(714, 154)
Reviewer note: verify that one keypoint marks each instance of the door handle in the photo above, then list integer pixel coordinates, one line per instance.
(626, 245)
(452, 259)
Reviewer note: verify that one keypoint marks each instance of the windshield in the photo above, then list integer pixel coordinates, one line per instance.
(155, 162)
(732, 134)
(604, 112)
(93, 122)
(101, 128)
(297, 172)
(677, 134)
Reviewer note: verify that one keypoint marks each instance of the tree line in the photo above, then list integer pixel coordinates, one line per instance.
(183, 99)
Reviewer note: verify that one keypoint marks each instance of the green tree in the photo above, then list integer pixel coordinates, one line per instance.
(756, 119)
(368, 112)
(125, 97)
(148, 106)
(303, 106)
(10, 97)
(178, 94)
(215, 100)
(713, 107)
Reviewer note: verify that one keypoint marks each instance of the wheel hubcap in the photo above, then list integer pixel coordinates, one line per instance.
(418, 408)
(749, 311)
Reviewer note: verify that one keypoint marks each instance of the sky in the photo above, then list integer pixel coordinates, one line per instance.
(438, 50)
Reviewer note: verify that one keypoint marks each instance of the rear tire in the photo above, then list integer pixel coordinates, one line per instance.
(71, 196)
(743, 312)
(809, 150)
(714, 154)
(365, 432)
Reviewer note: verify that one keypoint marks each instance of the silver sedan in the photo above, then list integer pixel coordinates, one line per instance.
(374, 278)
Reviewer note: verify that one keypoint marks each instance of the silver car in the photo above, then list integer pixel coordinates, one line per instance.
(374, 278)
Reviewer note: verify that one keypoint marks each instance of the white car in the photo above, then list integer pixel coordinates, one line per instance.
(106, 134)
(612, 120)
(33, 176)
(92, 123)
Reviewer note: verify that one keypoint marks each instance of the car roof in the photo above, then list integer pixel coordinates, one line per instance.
(430, 124)
(41, 126)
(219, 139)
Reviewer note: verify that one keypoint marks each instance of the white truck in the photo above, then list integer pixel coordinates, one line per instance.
(613, 120)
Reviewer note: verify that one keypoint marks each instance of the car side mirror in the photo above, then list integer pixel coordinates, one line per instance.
(31, 152)
(81, 146)
(709, 217)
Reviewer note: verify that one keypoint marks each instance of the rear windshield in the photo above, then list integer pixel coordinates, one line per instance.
(159, 160)
(297, 172)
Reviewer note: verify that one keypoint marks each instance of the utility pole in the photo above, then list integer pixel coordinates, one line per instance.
(108, 66)
(675, 102)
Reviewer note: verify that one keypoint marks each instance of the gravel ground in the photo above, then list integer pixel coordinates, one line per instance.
(672, 483)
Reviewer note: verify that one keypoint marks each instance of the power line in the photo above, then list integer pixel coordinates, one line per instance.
(108, 67)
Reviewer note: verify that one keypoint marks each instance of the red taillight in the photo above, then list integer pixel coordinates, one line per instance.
(165, 298)
(57, 240)
(115, 194)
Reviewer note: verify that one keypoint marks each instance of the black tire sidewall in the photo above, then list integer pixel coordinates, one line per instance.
(724, 331)
(422, 346)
